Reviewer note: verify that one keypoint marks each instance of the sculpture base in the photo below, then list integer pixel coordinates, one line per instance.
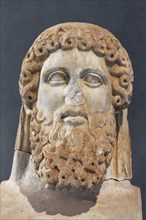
(116, 200)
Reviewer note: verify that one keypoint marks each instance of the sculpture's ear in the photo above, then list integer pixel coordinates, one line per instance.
(121, 166)
(22, 140)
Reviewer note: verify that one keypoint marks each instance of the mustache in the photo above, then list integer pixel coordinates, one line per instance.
(66, 111)
(74, 113)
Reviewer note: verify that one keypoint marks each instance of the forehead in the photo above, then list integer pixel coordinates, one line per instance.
(74, 60)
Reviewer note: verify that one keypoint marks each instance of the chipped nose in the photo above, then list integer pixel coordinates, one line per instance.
(73, 95)
(77, 99)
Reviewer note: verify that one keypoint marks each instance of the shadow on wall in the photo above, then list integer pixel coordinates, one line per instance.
(66, 203)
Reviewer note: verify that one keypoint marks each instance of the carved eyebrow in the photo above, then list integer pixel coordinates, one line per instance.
(47, 73)
(96, 71)
(82, 73)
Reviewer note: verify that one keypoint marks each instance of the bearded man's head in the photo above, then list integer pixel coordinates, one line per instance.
(75, 78)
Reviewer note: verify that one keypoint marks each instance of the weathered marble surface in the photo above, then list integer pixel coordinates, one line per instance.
(73, 154)
(31, 200)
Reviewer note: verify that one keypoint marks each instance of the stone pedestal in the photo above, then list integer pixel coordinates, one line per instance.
(24, 196)
(116, 200)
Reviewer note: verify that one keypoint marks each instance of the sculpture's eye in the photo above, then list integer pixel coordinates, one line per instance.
(92, 80)
(57, 78)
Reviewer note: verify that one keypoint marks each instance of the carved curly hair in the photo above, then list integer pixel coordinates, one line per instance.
(85, 37)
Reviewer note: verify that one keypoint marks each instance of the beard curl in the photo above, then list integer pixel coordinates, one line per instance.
(73, 156)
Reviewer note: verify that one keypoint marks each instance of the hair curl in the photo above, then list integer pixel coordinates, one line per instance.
(85, 37)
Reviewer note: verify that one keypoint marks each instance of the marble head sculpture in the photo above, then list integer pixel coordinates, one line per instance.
(76, 85)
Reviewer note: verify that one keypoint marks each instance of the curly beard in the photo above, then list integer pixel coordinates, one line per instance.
(68, 156)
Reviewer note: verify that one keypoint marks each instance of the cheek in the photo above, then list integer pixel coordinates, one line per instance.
(50, 98)
(99, 99)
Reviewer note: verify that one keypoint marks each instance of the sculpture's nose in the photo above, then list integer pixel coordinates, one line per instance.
(73, 94)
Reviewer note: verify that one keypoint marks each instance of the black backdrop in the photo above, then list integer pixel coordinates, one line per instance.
(23, 20)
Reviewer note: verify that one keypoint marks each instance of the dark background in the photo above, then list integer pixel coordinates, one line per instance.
(22, 21)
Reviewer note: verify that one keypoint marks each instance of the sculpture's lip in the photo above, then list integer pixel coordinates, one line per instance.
(74, 117)
(72, 113)
(74, 120)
